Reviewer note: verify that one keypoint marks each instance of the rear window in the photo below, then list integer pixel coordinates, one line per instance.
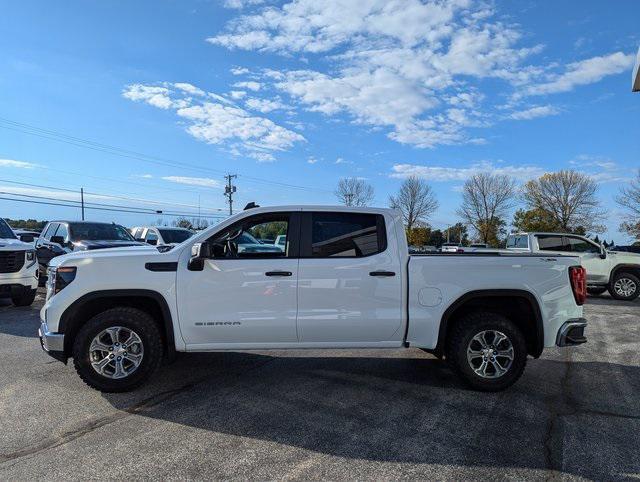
(175, 235)
(552, 243)
(518, 241)
(351, 235)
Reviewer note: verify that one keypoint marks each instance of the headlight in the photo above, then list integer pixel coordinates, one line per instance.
(59, 278)
(30, 256)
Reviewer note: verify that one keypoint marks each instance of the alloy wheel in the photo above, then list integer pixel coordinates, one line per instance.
(116, 352)
(490, 354)
(625, 287)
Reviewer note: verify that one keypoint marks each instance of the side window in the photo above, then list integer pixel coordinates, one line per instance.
(350, 235)
(552, 243)
(579, 245)
(49, 231)
(63, 231)
(242, 240)
(151, 235)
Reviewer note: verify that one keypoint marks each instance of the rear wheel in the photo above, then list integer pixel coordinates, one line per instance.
(596, 291)
(487, 350)
(25, 299)
(625, 286)
(117, 350)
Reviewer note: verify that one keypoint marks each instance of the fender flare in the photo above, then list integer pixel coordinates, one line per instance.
(167, 319)
(522, 294)
(635, 269)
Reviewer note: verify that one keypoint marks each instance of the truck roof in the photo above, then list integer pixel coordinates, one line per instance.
(319, 207)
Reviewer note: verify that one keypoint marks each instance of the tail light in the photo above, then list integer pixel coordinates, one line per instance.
(578, 277)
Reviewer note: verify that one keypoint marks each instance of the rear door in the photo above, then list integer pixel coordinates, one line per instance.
(350, 287)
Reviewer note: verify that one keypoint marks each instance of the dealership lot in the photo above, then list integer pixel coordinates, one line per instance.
(326, 414)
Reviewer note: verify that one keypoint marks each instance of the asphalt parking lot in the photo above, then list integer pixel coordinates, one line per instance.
(331, 415)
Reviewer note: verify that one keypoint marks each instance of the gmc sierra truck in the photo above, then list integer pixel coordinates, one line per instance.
(618, 272)
(18, 268)
(344, 279)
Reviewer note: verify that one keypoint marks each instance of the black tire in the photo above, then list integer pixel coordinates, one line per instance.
(631, 280)
(129, 318)
(25, 299)
(596, 291)
(460, 340)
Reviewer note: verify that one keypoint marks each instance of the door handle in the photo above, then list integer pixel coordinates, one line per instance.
(382, 273)
(278, 273)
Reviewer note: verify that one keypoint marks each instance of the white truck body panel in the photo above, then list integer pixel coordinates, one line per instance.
(27, 275)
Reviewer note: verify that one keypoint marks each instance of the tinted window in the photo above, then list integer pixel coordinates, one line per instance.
(175, 235)
(62, 232)
(242, 239)
(5, 230)
(346, 235)
(98, 232)
(151, 235)
(552, 243)
(51, 228)
(582, 246)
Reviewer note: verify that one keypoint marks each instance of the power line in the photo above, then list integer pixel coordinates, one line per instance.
(105, 148)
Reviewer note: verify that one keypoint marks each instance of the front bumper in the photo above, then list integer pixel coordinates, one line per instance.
(571, 332)
(52, 343)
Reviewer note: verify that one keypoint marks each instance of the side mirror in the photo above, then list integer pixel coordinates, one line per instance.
(199, 252)
(27, 238)
(57, 240)
(152, 242)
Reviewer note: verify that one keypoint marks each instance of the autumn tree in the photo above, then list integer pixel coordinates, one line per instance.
(486, 200)
(569, 197)
(352, 191)
(629, 199)
(415, 200)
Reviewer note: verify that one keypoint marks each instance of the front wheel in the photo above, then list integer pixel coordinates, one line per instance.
(117, 350)
(487, 350)
(25, 299)
(625, 286)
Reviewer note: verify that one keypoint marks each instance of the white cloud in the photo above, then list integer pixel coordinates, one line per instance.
(17, 164)
(584, 72)
(250, 84)
(188, 88)
(410, 67)
(312, 160)
(534, 112)
(445, 173)
(194, 181)
(213, 119)
(264, 105)
(237, 94)
(143, 176)
(239, 71)
(238, 4)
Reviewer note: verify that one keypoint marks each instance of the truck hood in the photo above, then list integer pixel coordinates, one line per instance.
(89, 245)
(142, 251)
(625, 257)
(10, 244)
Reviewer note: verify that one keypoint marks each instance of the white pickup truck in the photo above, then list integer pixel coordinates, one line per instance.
(343, 280)
(618, 272)
(18, 268)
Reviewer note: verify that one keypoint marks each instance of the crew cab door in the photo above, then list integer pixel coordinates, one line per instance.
(598, 269)
(245, 295)
(350, 288)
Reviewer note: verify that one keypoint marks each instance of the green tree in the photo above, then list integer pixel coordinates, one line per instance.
(534, 220)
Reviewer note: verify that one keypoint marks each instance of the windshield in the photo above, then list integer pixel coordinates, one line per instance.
(5, 230)
(171, 236)
(98, 232)
(518, 241)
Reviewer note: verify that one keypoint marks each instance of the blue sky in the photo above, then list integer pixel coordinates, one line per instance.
(292, 96)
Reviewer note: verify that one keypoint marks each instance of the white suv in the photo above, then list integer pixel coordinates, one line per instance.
(18, 268)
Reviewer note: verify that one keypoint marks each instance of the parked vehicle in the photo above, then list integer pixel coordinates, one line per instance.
(422, 249)
(345, 280)
(281, 240)
(451, 248)
(160, 235)
(626, 249)
(26, 236)
(479, 245)
(18, 268)
(618, 272)
(62, 237)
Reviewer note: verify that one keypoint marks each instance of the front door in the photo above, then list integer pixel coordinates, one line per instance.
(350, 288)
(246, 293)
(597, 268)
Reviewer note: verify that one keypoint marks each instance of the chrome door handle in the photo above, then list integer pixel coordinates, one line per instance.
(278, 273)
(382, 273)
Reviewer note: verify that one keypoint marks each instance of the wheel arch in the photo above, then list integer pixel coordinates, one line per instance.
(90, 304)
(633, 269)
(500, 301)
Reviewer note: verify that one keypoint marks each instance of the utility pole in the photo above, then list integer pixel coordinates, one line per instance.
(229, 190)
(82, 201)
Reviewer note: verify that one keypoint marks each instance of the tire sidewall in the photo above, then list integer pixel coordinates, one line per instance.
(135, 320)
(615, 295)
(470, 328)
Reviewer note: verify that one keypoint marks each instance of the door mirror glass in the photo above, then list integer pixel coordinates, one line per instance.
(199, 252)
(152, 242)
(57, 240)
